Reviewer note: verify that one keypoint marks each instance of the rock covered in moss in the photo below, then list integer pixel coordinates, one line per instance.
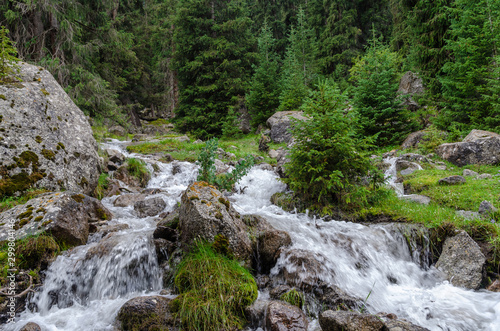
(146, 313)
(45, 139)
(205, 213)
(462, 261)
(67, 216)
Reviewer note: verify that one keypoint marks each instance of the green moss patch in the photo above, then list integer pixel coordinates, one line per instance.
(214, 291)
(48, 154)
(78, 197)
(293, 297)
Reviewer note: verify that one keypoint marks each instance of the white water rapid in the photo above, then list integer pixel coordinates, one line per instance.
(85, 287)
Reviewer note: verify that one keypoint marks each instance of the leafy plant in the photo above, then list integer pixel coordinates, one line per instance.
(7, 55)
(293, 297)
(138, 169)
(102, 185)
(207, 171)
(214, 290)
(328, 158)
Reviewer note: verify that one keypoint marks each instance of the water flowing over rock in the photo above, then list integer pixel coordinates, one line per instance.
(205, 213)
(462, 261)
(31, 327)
(46, 140)
(282, 316)
(349, 321)
(270, 245)
(126, 200)
(280, 125)
(146, 313)
(477, 148)
(67, 216)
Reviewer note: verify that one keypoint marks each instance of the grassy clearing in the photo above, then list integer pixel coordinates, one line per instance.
(214, 291)
(188, 151)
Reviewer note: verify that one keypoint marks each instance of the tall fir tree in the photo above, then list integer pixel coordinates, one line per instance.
(468, 77)
(212, 57)
(263, 97)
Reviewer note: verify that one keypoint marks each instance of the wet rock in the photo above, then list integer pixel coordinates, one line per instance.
(256, 313)
(304, 269)
(392, 324)
(46, 140)
(265, 166)
(485, 208)
(115, 156)
(146, 313)
(469, 173)
(349, 321)
(31, 327)
(205, 213)
(281, 316)
(126, 200)
(462, 261)
(416, 237)
(280, 125)
(65, 215)
(164, 249)
(278, 291)
(452, 180)
(495, 286)
(473, 150)
(107, 229)
(421, 199)
(167, 228)
(123, 174)
(149, 207)
(270, 246)
(112, 166)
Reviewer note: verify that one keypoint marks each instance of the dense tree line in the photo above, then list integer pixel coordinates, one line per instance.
(208, 60)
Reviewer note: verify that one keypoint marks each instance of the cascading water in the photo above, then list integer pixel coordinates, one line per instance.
(86, 286)
(371, 262)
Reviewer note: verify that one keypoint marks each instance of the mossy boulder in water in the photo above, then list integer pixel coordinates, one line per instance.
(146, 313)
(45, 139)
(67, 216)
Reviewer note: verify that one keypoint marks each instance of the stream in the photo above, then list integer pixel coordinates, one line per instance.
(86, 286)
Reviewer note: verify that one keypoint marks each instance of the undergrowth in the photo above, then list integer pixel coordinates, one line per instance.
(214, 291)
(8, 202)
(102, 185)
(138, 169)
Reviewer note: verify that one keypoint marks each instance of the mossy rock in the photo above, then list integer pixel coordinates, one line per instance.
(36, 252)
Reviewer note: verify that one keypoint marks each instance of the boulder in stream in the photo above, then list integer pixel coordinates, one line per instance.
(146, 313)
(462, 261)
(31, 327)
(281, 316)
(66, 215)
(149, 207)
(349, 321)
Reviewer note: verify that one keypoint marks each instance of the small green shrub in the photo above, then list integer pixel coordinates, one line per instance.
(8, 59)
(102, 185)
(214, 291)
(293, 297)
(138, 169)
(206, 161)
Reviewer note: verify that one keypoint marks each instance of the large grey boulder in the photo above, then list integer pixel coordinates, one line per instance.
(205, 213)
(67, 216)
(270, 245)
(280, 125)
(126, 200)
(349, 321)
(282, 316)
(45, 139)
(146, 313)
(149, 207)
(462, 261)
(479, 147)
(410, 85)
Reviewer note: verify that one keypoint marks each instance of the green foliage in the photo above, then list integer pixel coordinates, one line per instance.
(207, 171)
(328, 158)
(102, 185)
(374, 96)
(293, 297)
(212, 58)
(263, 97)
(7, 202)
(138, 169)
(214, 291)
(8, 53)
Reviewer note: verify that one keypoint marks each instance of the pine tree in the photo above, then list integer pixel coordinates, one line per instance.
(8, 51)
(212, 57)
(375, 76)
(263, 97)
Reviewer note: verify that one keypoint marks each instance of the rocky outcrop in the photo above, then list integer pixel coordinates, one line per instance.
(45, 139)
(146, 313)
(281, 316)
(67, 216)
(205, 213)
(479, 147)
(349, 321)
(417, 138)
(280, 125)
(462, 261)
(149, 207)
(409, 85)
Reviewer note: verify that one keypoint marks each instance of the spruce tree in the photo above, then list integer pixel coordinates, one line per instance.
(263, 97)
(212, 58)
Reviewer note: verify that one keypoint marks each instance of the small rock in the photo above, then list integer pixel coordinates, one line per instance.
(349, 321)
(263, 143)
(479, 134)
(145, 313)
(117, 130)
(468, 172)
(112, 166)
(484, 176)
(270, 245)
(495, 286)
(198, 141)
(126, 200)
(282, 316)
(149, 207)
(486, 208)
(421, 199)
(468, 215)
(183, 139)
(31, 327)
(452, 180)
(265, 166)
(256, 313)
